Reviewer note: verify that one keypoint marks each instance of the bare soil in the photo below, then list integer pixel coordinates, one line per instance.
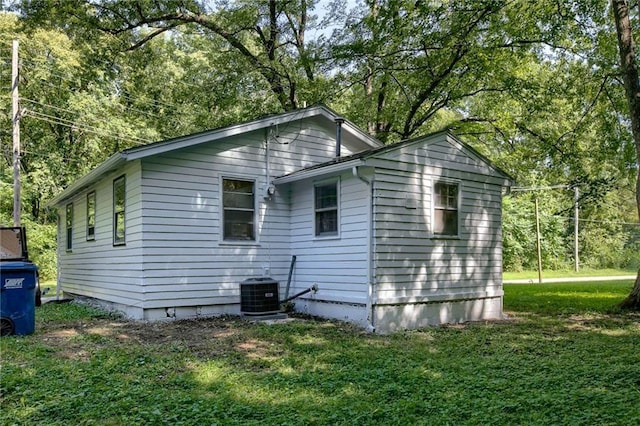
(205, 337)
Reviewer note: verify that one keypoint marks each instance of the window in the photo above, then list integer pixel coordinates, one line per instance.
(238, 200)
(119, 202)
(326, 209)
(91, 216)
(69, 226)
(445, 211)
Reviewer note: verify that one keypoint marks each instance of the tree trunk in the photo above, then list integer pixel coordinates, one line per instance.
(632, 89)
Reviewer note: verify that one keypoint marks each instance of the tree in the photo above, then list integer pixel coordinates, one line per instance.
(416, 62)
(629, 70)
(264, 37)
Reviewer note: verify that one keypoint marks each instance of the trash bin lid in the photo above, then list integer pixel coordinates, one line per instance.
(17, 266)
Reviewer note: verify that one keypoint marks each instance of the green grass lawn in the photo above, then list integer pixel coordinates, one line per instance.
(568, 274)
(564, 356)
(566, 298)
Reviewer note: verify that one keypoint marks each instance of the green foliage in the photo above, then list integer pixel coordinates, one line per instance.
(41, 240)
(607, 236)
(542, 366)
(518, 235)
(532, 275)
(41, 237)
(54, 314)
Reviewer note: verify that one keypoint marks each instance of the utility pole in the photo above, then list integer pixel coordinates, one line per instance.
(576, 212)
(15, 106)
(538, 243)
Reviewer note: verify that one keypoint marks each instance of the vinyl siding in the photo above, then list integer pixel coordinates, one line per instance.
(174, 254)
(97, 268)
(186, 262)
(338, 265)
(413, 265)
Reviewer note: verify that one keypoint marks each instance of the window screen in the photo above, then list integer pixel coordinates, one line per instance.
(119, 204)
(445, 210)
(238, 201)
(326, 209)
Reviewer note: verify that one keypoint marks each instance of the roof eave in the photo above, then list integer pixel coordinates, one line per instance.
(242, 128)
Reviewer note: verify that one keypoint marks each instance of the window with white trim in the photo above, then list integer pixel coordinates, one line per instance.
(445, 208)
(119, 215)
(91, 216)
(238, 201)
(326, 209)
(69, 226)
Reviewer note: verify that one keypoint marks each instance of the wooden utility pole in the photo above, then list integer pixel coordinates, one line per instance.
(538, 243)
(576, 220)
(15, 106)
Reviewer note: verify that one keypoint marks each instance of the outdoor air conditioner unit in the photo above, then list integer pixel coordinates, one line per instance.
(259, 296)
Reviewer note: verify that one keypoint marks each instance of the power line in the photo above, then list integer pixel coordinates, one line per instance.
(107, 63)
(71, 124)
(47, 83)
(85, 81)
(76, 80)
(568, 218)
(96, 130)
(75, 112)
(48, 105)
(74, 125)
(40, 154)
(609, 222)
(539, 188)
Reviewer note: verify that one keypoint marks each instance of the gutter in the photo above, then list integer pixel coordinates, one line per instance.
(318, 171)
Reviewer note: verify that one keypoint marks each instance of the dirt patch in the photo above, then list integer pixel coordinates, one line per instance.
(201, 337)
(145, 332)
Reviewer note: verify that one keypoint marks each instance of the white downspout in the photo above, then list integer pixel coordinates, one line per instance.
(265, 197)
(370, 254)
(267, 166)
(58, 242)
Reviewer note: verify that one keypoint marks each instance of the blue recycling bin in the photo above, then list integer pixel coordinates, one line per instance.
(18, 281)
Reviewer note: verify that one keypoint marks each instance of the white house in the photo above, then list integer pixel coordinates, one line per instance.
(394, 237)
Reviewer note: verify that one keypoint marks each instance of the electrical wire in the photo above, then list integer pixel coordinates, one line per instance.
(75, 112)
(107, 64)
(91, 129)
(71, 124)
(77, 80)
(571, 218)
(539, 188)
(43, 155)
(608, 222)
(46, 83)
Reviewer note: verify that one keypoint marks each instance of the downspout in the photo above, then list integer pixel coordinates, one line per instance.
(266, 157)
(59, 288)
(370, 254)
(265, 197)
